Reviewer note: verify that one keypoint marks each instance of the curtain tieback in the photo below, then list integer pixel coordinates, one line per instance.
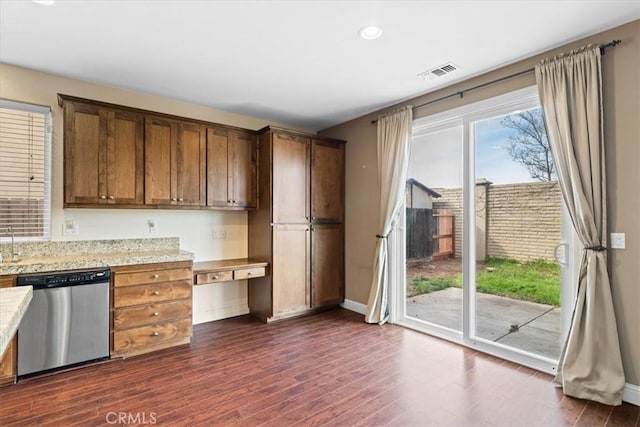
(598, 248)
(381, 237)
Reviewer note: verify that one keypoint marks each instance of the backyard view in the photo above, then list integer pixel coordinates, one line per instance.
(535, 281)
(517, 228)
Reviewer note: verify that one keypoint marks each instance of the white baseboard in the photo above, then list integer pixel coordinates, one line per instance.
(631, 394)
(358, 307)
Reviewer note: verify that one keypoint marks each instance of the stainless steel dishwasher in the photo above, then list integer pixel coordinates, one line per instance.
(67, 321)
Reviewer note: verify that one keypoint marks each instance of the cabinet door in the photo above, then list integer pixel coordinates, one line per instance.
(217, 171)
(84, 154)
(290, 269)
(290, 179)
(243, 184)
(327, 264)
(191, 164)
(327, 181)
(125, 161)
(159, 144)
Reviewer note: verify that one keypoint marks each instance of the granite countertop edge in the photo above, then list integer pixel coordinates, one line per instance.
(98, 260)
(13, 303)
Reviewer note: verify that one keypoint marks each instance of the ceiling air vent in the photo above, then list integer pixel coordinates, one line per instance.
(440, 71)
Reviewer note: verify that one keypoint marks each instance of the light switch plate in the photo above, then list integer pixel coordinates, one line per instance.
(70, 227)
(617, 241)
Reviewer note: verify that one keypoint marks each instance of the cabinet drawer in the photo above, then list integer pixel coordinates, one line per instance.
(145, 294)
(149, 335)
(151, 276)
(130, 317)
(220, 276)
(249, 273)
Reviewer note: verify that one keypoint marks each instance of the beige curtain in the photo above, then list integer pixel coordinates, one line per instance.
(394, 137)
(570, 88)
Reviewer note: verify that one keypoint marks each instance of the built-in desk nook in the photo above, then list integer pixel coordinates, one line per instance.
(227, 270)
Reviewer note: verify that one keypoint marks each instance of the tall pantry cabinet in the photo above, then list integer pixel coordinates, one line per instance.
(298, 226)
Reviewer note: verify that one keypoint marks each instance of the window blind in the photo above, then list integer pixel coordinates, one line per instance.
(25, 152)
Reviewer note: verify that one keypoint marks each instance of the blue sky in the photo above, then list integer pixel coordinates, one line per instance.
(436, 158)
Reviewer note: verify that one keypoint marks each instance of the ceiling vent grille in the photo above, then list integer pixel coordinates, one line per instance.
(440, 71)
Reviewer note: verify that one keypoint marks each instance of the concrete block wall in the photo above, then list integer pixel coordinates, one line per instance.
(523, 220)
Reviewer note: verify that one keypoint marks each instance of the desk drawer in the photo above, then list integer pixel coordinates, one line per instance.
(249, 273)
(130, 317)
(220, 276)
(149, 294)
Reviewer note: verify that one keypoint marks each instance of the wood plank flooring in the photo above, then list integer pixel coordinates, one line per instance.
(330, 369)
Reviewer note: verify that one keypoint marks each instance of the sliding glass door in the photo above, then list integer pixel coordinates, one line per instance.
(486, 249)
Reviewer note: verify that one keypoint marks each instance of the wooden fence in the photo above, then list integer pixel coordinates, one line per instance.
(430, 233)
(443, 235)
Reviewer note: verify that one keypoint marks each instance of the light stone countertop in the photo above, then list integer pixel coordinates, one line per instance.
(42, 257)
(91, 260)
(13, 304)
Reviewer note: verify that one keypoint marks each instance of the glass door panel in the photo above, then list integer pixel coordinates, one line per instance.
(518, 227)
(433, 224)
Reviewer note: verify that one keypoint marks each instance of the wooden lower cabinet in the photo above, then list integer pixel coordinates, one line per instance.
(327, 264)
(152, 307)
(8, 360)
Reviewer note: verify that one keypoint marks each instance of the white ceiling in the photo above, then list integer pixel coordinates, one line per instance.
(296, 62)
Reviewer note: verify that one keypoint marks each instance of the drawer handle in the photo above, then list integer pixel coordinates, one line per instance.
(249, 274)
(155, 276)
(215, 277)
(156, 314)
(111, 197)
(156, 292)
(103, 197)
(155, 334)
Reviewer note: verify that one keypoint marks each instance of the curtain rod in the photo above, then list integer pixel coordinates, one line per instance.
(461, 93)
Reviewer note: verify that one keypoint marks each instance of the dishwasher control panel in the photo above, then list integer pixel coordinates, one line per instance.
(66, 278)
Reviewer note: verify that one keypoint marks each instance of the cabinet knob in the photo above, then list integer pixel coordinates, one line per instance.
(155, 334)
(249, 273)
(215, 277)
(103, 197)
(156, 292)
(155, 276)
(156, 314)
(173, 199)
(181, 199)
(111, 197)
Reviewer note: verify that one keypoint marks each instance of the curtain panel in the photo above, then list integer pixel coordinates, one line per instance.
(394, 142)
(570, 89)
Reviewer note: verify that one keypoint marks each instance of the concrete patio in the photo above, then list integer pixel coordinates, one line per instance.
(523, 325)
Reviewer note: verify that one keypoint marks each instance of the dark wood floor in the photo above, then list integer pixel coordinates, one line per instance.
(329, 369)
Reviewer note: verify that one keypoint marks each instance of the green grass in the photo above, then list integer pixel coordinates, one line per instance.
(536, 281)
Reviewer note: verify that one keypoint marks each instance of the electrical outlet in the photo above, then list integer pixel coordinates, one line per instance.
(152, 225)
(219, 234)
(70, 228)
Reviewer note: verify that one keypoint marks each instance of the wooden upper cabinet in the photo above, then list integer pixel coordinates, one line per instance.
(243, 169)
(103, 156)
(290, 178)
(327, 181)
(191, 164)
(174, 163)
(160, 144)
(231, 169)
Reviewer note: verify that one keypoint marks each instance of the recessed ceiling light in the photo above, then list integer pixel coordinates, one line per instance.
(371, 32)
(44, 2)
